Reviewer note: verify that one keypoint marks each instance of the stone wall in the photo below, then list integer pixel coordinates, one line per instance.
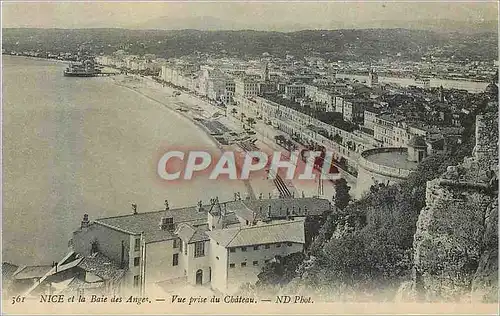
(455, 244)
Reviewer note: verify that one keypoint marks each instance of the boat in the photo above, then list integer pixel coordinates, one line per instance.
(85, 68)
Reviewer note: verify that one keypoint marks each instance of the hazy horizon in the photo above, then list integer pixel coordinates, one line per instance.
(269, 16)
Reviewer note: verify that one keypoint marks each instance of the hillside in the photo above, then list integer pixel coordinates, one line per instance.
(347, 44)
(432, 237)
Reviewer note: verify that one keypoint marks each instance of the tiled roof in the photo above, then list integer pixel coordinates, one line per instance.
(258, 209)
(101, 266)
(8, 270)
(200, 234)
(149, 222)
(30, 272)
(275, 232)
(190, 234)
(392, 117)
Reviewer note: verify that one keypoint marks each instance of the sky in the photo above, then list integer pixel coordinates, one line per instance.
(307, 13)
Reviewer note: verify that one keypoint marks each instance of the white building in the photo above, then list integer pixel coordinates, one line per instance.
(220, 244)
(245, 87)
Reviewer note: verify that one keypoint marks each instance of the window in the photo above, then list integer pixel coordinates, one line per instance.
(199, 249)
(266, 261)
(232, 249)
(175, 259)
(243, 248)
(243, 264)
(289, 244)
(136, 280)
(268, 246)
(167, 223)
(231, 265)
(278, 245)
(256, 263)
(177, 242)
(137, 244)
(136, 261)
(255, 247)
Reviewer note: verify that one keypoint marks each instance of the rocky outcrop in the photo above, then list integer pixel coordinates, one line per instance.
(455, 244)
(485, 281)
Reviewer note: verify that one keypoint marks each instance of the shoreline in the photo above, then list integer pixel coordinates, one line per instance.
(188, 115)
(184, 115)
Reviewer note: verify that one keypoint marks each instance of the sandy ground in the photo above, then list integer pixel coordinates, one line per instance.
(193, 106)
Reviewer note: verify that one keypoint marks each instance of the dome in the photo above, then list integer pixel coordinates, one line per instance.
(491, 89)
(417, 141)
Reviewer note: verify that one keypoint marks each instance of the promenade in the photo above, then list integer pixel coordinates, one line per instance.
(200, 111)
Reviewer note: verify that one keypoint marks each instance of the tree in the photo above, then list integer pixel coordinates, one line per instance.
(280, 271)
(342, 196)
(251, 122)
(234, 111)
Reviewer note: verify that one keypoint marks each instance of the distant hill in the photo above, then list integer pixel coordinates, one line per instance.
(207, 23)
(346, 44)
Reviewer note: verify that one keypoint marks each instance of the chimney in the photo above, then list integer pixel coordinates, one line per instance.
(167, 207)
(287, 217)
(269, 212)
(199, 207)
(134, 208)
(85, 222)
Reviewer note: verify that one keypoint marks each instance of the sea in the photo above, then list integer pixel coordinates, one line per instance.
(470, 86)
(75, 146)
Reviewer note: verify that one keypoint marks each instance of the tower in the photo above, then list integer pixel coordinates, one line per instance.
(372, 78)
(441, 94)
(266, 73)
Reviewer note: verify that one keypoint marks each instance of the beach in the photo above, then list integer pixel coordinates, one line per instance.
(194, 107)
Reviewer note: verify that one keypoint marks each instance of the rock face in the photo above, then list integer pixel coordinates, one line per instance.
(455, 245)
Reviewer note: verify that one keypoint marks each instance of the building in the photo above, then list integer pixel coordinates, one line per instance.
(245, 87)
(354, 109)
(293, 91)
(220, 244)
(370, 117)
(241, 252)
(383, 128)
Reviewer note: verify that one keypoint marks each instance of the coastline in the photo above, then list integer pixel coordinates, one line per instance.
(184, 115)
(201, 107)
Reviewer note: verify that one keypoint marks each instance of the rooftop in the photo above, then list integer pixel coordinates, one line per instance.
(8, 270)
(276, 232)
(190, 234)
(257, 209)
(149, 222)
(29, 272)
(101, 266)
